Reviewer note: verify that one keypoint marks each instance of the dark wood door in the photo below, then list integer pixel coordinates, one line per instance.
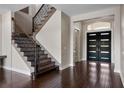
(99, 46)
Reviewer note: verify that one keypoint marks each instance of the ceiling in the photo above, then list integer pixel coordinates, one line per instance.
(70, 9)
(11, 7)
(75, 9)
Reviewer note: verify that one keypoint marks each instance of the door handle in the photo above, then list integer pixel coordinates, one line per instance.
(98, 49)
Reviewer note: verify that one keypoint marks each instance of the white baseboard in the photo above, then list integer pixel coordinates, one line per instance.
(64, 67)
(71, 65)
(17, 70)
(116, 70)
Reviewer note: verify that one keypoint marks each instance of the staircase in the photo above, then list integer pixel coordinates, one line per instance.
(39, 60)
(42, 16)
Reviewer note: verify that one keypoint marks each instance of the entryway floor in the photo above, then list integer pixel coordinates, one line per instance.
(83, 75)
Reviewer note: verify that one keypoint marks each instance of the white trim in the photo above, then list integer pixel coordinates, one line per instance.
(100, 30)
(17, 70)
(71, 65)
(64, 67)
(116, 70)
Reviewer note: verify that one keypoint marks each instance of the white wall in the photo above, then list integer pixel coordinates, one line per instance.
(102, 13)
(65, 29)
(13, 61)
(122, 43)
(34, 8)
(0, 35)
(50, 36)
(18, 63)
(6, 38)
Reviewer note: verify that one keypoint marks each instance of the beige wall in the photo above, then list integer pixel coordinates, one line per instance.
(0, 35)
(65, 29)
(122, 43)
(55, 37)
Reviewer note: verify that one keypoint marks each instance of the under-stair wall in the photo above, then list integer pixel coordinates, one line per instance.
(18, 63)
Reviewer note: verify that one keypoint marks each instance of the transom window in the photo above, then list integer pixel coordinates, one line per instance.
(99, 25)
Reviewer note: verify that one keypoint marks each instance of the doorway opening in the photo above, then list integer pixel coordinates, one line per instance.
(94, 40)
(76, 45)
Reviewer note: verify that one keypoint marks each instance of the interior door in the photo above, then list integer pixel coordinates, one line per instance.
(99, 46)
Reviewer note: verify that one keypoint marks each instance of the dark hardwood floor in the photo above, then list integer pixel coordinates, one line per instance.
(83, 75)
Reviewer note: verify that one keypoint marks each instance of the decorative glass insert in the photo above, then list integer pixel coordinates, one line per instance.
(99, 25)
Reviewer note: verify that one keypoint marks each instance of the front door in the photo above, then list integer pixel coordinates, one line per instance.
(99, 46)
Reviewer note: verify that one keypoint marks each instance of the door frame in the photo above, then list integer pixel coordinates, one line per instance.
(96, 31)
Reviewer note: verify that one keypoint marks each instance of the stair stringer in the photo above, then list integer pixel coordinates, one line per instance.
(28, 63)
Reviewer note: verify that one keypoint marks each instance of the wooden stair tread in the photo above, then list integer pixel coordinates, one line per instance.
(30, 53)
(42, 58)
(46, 70)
